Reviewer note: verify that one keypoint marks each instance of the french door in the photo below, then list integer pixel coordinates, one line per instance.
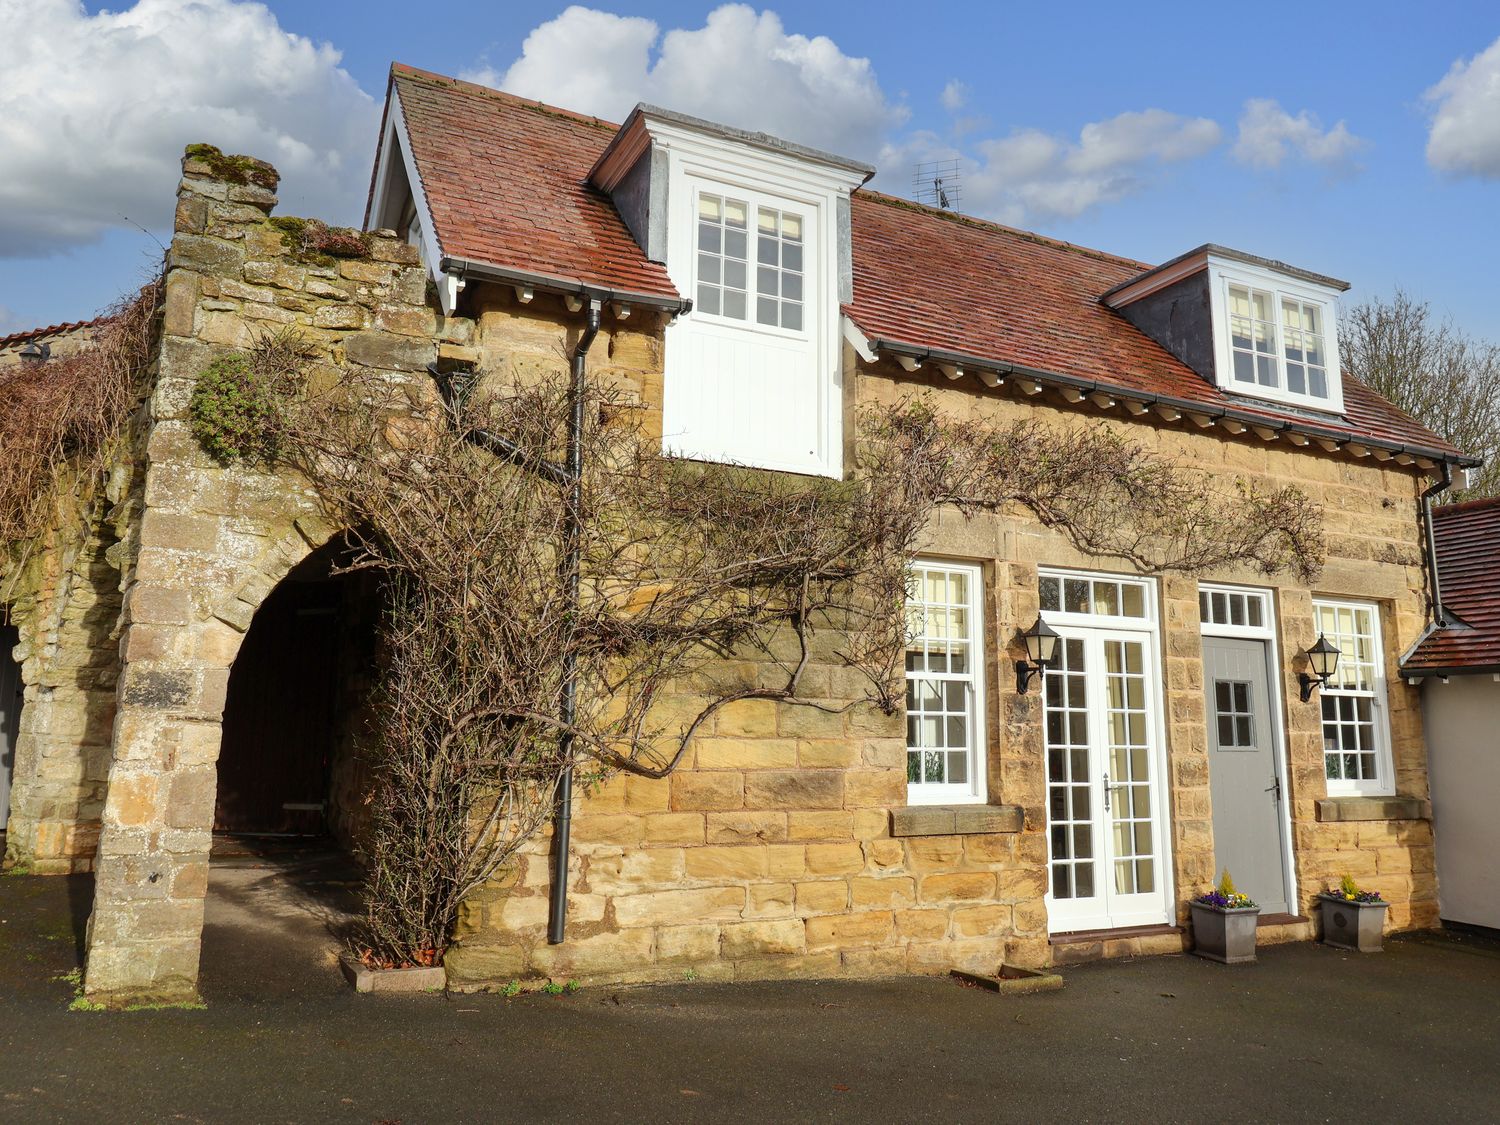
(1108, 851)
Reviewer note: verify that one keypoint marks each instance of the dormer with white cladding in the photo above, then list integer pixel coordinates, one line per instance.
(756, 232)
(1250, 326)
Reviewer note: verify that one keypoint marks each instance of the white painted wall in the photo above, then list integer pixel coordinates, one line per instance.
(1462, 720)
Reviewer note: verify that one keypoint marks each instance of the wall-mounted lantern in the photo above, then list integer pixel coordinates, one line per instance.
(1041, 647)
(36, 353)
(1323, 658)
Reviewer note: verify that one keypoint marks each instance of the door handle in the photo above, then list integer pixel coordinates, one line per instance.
(1275, 787)
(1108, 789)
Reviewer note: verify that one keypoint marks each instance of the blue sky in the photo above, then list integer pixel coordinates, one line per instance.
(1310, 136)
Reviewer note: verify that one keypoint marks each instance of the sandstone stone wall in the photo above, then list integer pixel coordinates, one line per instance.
(63, 597)
(210, 543)
(771, 853)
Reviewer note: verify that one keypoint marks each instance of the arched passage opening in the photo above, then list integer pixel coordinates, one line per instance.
(292, 790)
(297, 706)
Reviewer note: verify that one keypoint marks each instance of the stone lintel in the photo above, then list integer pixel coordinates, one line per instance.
(956, 820)
(1373, 808)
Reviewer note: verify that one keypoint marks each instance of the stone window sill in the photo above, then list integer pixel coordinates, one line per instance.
(956, 820)
(1334, 809)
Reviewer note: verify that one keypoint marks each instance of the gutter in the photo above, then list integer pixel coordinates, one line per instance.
(461, 269)
(1438, 613)
(1183, 406)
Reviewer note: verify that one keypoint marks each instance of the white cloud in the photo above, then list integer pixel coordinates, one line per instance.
(955, 96)
(741, 68)
(1269, 134)
(1465, 134)
(1031, 175)
(95, 111)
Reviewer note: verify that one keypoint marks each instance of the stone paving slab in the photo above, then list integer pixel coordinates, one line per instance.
(1307, 1033)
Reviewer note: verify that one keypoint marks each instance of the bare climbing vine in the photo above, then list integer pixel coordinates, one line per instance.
(60, 419)
(703, 585)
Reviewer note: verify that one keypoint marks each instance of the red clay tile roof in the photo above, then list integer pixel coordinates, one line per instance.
(505, 181)
(1468, 550)
(50, 330)
(932, 279)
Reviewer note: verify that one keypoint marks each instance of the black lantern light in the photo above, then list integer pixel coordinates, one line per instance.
(36, 353)
(1323, 658)
(1041, 648)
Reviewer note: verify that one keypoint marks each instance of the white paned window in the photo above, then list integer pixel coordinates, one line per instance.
(778, 273)
(1097, 597)
(1276, 341)
(723, 268)
(1356, 739)
(944, 685)
(1246, 609)
(1303, 348)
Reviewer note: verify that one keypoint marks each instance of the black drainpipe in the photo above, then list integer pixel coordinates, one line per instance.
(571, 474)
(562, 822)
(1439, 614)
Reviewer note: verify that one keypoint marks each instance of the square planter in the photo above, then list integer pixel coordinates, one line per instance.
(1359, 926)
(418, 979)
(1226, 936)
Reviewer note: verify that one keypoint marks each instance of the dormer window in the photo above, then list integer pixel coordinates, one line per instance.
(756, 231)
(1277, 345)
(1248, 325)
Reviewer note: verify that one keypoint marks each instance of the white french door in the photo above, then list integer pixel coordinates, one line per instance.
(1107, 845)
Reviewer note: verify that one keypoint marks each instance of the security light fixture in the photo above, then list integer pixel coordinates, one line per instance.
(1323, 658)
(1041, 647)
(36, 353)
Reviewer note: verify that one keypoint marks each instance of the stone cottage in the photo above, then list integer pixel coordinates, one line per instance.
(755, 294)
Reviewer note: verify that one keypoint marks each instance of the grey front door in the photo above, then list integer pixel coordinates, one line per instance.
(1243, 771)
(10, 715)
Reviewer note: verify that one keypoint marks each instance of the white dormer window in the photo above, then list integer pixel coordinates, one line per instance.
(1274, 339)
(755, 230)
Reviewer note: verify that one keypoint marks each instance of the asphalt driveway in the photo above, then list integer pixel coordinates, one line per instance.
(1308, 1033)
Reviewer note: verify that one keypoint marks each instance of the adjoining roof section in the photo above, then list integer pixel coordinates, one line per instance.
(505, 181)
(51, 330)
(1468, 544)
(932, 284)
(1194, 260)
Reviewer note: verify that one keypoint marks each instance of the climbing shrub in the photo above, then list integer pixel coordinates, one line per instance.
(682, 565)
(60, 420)
(233, 409)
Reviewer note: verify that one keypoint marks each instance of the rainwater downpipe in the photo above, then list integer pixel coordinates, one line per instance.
(562, 820)
(1439, 614)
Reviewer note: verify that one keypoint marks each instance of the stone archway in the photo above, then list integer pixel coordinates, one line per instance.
(152, 868)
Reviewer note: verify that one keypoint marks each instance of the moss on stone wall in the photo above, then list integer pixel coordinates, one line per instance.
(316, 243)
(235, 169)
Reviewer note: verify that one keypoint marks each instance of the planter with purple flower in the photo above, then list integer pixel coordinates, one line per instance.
(1224, 924)
(1352, 918)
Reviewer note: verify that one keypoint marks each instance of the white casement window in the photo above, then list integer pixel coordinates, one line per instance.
(944, 685)
(1356, 732)
(724, 267)
(778, 269)
(723, 257)
(1277, 342)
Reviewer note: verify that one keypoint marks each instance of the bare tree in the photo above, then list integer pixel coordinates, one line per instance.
(702, 584)
(1445, 379)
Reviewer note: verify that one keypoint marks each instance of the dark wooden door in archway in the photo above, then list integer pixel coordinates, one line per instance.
(279, 717)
